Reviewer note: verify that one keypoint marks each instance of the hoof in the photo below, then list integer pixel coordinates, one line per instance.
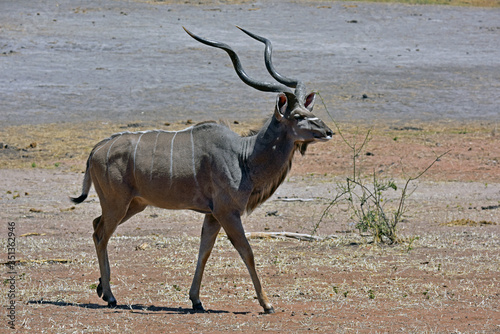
(99, 288)
(269, 310)
(111, 301)
(198, 307)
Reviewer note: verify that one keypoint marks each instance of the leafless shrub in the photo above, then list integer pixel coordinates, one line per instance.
(366, 197)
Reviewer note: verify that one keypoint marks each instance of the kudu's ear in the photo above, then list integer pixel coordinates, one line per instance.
(309, 102)
(281, 105)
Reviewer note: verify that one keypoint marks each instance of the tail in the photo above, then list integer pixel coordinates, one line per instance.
(87, 183)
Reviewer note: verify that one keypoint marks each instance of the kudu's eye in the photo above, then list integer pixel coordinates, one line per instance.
(298, 117)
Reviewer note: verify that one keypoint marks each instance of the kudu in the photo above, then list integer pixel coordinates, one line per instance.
(206, 168)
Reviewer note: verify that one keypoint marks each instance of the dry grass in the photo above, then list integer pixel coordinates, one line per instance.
(443, 281)
(323, 281)
(345, 284)
(397, 149)
(468, 222)
(468, 3)
(67, 145)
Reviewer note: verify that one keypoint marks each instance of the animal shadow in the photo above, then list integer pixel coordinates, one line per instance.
(135, 308)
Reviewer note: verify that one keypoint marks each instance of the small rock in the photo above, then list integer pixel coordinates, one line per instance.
(142, 246)
(272, 213)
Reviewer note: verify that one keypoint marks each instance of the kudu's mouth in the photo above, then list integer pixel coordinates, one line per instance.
(323, 135)
(318, 137)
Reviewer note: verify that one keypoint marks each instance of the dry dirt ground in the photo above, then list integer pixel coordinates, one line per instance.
(68, 66)
(442, 278)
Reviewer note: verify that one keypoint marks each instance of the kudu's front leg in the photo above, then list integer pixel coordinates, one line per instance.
(211, 228)
(236, 234)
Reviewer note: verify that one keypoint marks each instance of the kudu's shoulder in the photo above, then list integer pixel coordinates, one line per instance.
(212, 127)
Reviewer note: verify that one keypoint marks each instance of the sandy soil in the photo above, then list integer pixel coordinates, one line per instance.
(430, 76)
(442, 277)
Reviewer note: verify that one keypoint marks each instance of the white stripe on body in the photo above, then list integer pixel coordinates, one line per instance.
(193, 160)
(109, 150)
(172, 157)
(113, 138)
(135, 150)
(154, 152)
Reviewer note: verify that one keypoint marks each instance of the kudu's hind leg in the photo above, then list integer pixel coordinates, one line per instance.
(101, 236)
(103, 230)
(211, 228)
(236, 234)
(95, 223)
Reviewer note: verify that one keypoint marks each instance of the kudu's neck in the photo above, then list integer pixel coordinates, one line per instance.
(267, 158)
(270, 153)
